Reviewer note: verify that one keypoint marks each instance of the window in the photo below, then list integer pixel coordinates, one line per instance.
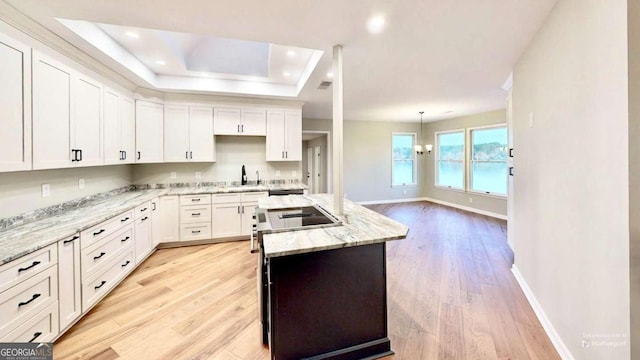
(488, 168)
(450, 159)
(403, 167)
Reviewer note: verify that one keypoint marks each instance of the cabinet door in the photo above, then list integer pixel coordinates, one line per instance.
(142, 238)
(253, 122)
(169, 211)
(248, 209)
(51, 113)
(69, 282)
(15, 105)
(275, 135)
(149, 132)
(156, 224)
(86, 124)
(128, 129)
(176, 135)
(201, 139)
(226, 220)
(111, 127)
(293, 136)
(226, 121)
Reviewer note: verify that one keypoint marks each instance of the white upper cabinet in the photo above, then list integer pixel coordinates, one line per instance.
(240, 121)
(118, 128)
(86, 122)
(284, 135)
(188, 133)
(51, 113)
(149, 132)
(15, 105)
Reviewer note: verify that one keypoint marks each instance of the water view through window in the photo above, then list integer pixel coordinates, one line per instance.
(450, 172)
(403, 169)
(489, 160)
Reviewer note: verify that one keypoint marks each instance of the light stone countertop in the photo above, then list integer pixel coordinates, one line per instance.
(214, 189)
(360, 226)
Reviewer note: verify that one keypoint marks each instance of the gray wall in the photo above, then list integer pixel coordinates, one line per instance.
(634, 171)
(480, 202)
(572, 174)
(231, 153)
(21, 191)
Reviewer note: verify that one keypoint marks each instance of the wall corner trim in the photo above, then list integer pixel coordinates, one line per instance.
(467, 208)
(556, 340)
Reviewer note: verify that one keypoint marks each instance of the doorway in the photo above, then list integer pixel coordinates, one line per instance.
(316, 168)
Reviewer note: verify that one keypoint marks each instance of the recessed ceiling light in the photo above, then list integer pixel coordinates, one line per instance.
(375, 24)
(161, 62)
(286, 74)
(291, 53)
(132, 34)
(330, 74)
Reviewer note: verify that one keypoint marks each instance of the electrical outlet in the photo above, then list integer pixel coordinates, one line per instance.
(278, 173)
(294, 174)
(46, 190)
(470, 200)
(198, 175)
(173, 175)
(81, 183)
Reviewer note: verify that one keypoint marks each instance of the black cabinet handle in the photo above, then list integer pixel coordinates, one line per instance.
(283, 154)
(71, 240)
(186, 155)
(511, 152)
(125, 155)
(101, 285)
(29, 267)
(243, 209)
(144, 218)
(153, 206)
(125, 219)
(35, 336)
(120, 155)
(126, 263)
(125, 239)
(143, 209)
(286, 154)
(242, 128)
(35, 296)
(99, 232)
(99, 256)
(196, 199)
(195, 231)
(511, 171)
(238, 128)
(139, 155)
(80, 152)
(191, 155)
(74, 155)
(195, 214)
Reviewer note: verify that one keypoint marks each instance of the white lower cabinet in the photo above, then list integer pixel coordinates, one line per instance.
(169, 223)
(42, 327)
(232, 214)
(96, 287)
(195, 217)
(156, 224)
(143, 244)
(69, 281)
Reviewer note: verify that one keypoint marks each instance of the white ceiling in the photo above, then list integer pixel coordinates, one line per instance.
(446, 58)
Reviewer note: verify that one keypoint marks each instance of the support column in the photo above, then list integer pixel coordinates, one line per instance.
(338, 178)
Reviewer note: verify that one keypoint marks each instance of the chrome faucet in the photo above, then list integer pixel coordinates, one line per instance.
(258, 177)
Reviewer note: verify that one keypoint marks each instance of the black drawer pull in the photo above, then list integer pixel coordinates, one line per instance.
(29, 267)
(35, 336)
(145, 209)
(144, 218)
(195, 231)
(101, 285)
(125, 239)
(511, 152)
(195, 214)
(35, 296)
(196, 199)
(99, 232)
(99, 256)
(125, 264)
(511, 171)
(71, 240)
(125, 219)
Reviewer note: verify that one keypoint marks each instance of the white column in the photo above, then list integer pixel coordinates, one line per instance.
(338, 179)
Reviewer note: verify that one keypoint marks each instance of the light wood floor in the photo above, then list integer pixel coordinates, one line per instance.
(451, 295)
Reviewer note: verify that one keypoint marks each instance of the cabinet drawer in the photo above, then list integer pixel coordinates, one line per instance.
(101, 253)
(21, 302)
(42, 327)
(23, 268)
(107, 228)
(195, 213)
(94, 289)
(226, 198)
(142, 210)
(195, 199)
(196, 231)
(254, 196)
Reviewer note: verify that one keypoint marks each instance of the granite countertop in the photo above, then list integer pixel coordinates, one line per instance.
(222, 189)
(360, 226)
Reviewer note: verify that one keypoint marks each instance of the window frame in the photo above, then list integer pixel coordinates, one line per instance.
(437, 160)
(469, 168)
(414, 159)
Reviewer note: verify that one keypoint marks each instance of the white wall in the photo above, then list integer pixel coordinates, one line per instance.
(21, 191)
(572, 241)
(231, 153)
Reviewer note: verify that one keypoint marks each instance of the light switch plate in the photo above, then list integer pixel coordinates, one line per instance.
(277, 173)
(294, 174)
(530, 119)
(46, 190)
(198, 175)
(173, 175)
(81, 183)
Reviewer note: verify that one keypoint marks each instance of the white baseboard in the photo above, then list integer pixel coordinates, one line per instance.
(391, 201)
(467, 208)
(557, 342)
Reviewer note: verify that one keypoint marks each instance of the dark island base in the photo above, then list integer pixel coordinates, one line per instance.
(329, 304)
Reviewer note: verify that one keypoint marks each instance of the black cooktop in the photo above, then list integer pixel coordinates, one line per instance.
(298, 218)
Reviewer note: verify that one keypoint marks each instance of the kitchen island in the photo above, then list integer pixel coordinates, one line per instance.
(325, 288)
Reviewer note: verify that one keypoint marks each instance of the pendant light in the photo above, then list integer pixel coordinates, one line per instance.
(418, 147)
